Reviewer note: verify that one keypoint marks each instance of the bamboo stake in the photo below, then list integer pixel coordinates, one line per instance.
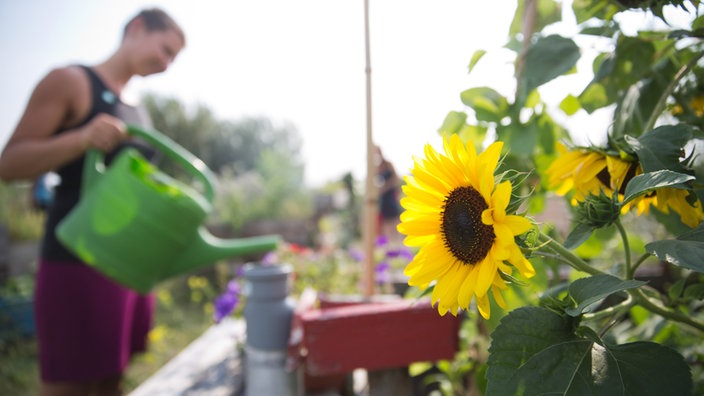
(530, 16)
(370, 199)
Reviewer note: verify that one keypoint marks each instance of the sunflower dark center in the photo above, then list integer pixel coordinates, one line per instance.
(466, 237)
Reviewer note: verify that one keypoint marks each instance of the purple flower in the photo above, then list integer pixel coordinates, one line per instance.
(382, 273)
(270, 258)
(226, 302)
(382, 240)
(356, 255)
(400, 252)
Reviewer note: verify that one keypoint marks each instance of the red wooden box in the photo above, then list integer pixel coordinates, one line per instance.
(375, 336)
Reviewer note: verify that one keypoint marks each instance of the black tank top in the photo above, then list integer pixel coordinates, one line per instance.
(67, 193)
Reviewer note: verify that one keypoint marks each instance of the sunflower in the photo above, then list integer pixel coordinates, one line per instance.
(590, 172)
(455, 213)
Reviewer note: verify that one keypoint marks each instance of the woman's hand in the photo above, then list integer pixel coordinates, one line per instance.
(104, 132)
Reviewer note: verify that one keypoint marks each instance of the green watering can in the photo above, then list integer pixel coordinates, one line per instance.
(139, 226)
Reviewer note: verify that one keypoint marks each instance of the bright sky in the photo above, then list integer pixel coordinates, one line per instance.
(299, 61)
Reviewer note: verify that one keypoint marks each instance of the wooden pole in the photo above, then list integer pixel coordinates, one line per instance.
(370, 191)
(530, 16)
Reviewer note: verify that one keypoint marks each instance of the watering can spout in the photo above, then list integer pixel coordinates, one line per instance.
(206, 249)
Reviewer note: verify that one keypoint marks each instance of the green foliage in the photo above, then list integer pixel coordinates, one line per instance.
(587, 292)
(548, 58)
(22, 221)
(602, 328)
(686, 251)
(537, 351)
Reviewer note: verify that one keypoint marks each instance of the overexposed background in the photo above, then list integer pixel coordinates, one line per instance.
(301, 62)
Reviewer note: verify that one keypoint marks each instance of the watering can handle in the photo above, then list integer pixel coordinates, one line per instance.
(193, 165)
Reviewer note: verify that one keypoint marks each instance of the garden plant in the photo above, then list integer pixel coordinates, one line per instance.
(614, 305)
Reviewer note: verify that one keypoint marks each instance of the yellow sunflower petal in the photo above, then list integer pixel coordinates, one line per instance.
(484, 306)
(449, 284)
(417, 240)
(500, 199)
(419, 225)
(498, 297)
(466, 292)
(517, 224)
(487, 273)
(521, 263)
(486, 164)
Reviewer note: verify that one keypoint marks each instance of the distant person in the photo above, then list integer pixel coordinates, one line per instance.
(389, 189)
(87, 325)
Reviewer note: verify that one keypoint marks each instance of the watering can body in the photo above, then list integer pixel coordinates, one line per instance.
(139, 226)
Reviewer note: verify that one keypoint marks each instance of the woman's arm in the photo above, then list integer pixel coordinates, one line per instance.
(60, 100)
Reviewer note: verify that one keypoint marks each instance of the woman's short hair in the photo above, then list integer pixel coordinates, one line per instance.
(156, 19)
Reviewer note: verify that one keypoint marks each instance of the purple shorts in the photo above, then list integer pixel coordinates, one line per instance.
(88, 326)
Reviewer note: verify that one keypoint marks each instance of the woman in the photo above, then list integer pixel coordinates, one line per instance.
(87, 325)
(389, 185)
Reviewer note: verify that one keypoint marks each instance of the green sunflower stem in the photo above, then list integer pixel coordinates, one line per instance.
(647, 303)
(626, 248)
(637, 264)
(567, 256)
(660, 105)
(612, 311)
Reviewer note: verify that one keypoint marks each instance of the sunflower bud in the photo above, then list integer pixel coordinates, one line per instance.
(599, 210)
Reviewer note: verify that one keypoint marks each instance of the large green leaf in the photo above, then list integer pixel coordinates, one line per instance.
(535, 351)
(587, 291)
(647, 182)
(662, 147)
(548, 58)
(686, 251)
(634, 57)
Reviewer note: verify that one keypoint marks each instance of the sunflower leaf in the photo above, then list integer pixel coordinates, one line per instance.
(687, 251)
(488, 104)
(453, 123)
(587, 291)
(547, 59)
(538, 351)
(578, 236)
(647, 182)
(661, 148)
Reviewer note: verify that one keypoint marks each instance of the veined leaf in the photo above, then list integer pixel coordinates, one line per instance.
(647, 182)
(661, 148)
(548, 58)
(587, 291)
(686, 251)
(537, 351)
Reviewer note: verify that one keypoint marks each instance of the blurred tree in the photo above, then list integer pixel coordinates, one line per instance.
(258, 162)
(237, 145)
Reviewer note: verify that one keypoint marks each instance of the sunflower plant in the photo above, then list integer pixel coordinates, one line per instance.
(614, 305)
